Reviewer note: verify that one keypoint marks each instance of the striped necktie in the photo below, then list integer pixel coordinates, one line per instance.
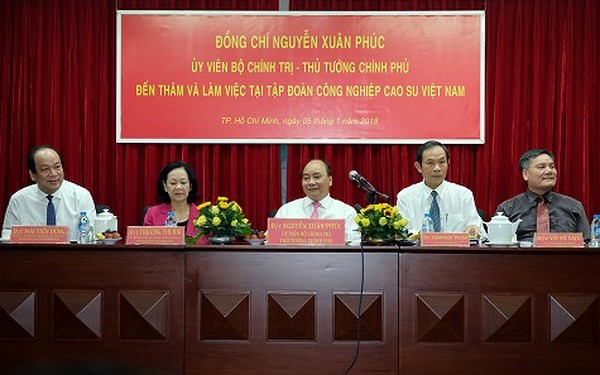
(434, 210)
(543, 218)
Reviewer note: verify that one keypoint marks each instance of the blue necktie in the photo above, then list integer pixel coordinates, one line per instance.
(50, 212)
(434, 210)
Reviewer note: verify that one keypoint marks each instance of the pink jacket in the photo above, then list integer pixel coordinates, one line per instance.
(156, 215)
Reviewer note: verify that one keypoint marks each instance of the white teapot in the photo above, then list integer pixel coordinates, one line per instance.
(105, 221)
(500, 230)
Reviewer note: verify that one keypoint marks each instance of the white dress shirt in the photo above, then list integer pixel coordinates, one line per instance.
(330, 208)
(28, 207)
(457, 206)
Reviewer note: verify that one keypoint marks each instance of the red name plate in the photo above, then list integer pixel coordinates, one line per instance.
(558, 240)
(146, 235)
(306, 232)
(458, 239)
(39, 234)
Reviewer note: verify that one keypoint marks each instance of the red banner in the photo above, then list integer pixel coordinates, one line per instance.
(300, 77)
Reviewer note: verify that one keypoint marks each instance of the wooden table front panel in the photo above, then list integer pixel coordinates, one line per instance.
(292, 312)
(88, 310)
(289, 313)
(499, 313)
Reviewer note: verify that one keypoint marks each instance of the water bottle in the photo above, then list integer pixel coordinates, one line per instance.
(84, 229)
(595, 233)
(427, 224)
(170, 221)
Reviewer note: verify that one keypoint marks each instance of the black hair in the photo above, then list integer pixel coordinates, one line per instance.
(31, 157)
(528, 156)
(162, 195)
(426, 146)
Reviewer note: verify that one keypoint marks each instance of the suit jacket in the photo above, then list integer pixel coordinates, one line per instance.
(156, 215)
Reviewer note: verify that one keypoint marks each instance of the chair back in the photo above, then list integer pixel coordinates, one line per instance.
(481, 214)
(101, 207)
(144, 213)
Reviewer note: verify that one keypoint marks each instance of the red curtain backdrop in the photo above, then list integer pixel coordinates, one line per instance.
(58, 87)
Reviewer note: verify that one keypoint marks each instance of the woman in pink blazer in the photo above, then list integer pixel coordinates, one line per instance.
(176, 190)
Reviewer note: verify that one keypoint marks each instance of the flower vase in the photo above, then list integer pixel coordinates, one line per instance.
(378, 241)
(223, 239)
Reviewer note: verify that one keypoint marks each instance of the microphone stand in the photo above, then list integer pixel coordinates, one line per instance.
(372, 193)
(371, 197)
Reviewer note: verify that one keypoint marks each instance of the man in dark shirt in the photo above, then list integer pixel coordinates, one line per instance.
(557, 212)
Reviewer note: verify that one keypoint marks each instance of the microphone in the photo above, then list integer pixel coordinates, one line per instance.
(362, 182)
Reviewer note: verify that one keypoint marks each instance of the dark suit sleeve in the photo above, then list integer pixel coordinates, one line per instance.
(583, 225)
(504, 207)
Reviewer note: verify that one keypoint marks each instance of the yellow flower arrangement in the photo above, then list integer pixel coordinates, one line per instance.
(381, 221)
(223, 218)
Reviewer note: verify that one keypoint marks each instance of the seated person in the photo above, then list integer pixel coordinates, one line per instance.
(453, 204)
(176, 191)
(318, 204)
(540, 208)
(52, 200)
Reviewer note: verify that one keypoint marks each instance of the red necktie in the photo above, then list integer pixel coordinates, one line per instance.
(543, 219)
(315, 213)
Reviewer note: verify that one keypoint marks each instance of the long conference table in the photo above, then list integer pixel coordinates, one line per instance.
(243, 309)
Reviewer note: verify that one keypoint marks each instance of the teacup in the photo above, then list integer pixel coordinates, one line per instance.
(5, 234)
